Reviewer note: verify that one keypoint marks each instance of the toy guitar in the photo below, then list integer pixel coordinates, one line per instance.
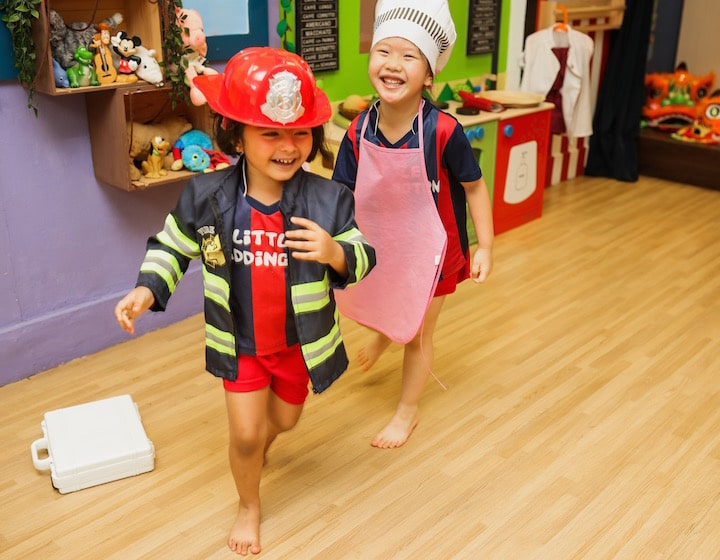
(104, 67)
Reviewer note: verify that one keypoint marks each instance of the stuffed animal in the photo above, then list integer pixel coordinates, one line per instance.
(194, 151)
(149, 68)
(193, 38)
(218, 160)
(65, 39)
(196, 138)
(140, 135)
(82, 74)
(196, 159)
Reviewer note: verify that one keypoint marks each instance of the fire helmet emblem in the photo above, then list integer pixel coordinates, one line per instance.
(283, 103)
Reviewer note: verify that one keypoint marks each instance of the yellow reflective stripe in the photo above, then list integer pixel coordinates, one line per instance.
(362, 263)
(220, 341)
(173, 237)
(321, 350)
(156, 268)
(355, 238)
(350, 236)
(311, 296)
(166, 260)
(216, 289)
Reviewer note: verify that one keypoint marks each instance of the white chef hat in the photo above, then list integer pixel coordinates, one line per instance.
(427, 23)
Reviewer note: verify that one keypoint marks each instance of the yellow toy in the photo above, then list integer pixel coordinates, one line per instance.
(153, 167)
(140, 135)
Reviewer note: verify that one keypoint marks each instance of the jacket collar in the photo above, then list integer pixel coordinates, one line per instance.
(232, 185)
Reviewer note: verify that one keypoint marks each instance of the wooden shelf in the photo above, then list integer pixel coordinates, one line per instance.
(140, 17)
(110, 107)
(109, 113)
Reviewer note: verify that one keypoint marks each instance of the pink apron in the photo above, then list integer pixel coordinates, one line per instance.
(395, 210)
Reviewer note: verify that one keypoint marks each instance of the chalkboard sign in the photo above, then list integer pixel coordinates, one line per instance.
(483, 26)
(316, 33)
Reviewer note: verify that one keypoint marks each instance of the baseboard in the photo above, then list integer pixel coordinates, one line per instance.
(33, 346)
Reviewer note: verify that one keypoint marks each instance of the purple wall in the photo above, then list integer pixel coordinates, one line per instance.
(70, 246)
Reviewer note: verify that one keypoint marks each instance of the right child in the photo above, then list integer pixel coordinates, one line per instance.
(413, 171)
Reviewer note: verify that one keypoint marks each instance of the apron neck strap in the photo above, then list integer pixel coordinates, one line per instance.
(419, 119)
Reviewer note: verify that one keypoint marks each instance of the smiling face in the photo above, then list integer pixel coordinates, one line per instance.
(273, 155)
(398, 71)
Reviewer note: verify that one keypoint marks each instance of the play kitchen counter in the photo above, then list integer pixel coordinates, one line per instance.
(512, 149)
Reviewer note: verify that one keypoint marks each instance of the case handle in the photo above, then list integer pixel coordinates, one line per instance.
(40, 464)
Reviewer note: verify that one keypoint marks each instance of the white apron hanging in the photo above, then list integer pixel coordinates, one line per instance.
(395, 210)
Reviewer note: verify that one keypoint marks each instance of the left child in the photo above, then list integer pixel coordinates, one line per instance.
(274, 241)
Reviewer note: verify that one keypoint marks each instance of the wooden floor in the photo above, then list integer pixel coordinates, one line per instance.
(581, 420)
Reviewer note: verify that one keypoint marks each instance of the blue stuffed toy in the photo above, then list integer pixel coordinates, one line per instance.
(195, 159)
(191, 151)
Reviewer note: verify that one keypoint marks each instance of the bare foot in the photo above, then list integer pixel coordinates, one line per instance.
(369, 354)
(245, 533)
(397, 431)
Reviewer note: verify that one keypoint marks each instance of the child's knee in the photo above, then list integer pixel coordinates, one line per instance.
(248, 442)
(286, 424)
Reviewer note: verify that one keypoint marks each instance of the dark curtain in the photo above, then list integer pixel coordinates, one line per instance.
(616, 123)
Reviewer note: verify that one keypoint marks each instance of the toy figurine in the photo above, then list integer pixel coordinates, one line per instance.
(61, 78)
(153, 167)
(125, 47)
(193, 37)
(104, 67)
(66, 38)
(82, 74)
(139, 139)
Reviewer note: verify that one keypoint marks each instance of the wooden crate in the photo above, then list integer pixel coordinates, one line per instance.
(140, 17)
(109, 112)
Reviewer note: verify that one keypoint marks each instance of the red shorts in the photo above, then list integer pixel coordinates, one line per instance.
(284, 372)
(448, 283)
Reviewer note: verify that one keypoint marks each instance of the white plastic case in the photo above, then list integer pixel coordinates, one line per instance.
(93, 443)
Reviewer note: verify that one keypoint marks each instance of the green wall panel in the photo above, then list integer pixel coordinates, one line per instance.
(351, 77)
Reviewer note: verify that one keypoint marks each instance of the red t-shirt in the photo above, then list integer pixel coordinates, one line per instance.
(259, 295)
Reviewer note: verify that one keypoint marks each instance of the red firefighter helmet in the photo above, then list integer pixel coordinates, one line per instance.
(268, 87)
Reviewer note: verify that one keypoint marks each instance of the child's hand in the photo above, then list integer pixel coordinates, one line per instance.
(481, 265)
(132, 306)
(313, 243)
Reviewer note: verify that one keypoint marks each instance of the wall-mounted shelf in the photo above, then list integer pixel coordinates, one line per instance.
(109, 113)
(110, 107)
(583, 15)
(140, 17)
